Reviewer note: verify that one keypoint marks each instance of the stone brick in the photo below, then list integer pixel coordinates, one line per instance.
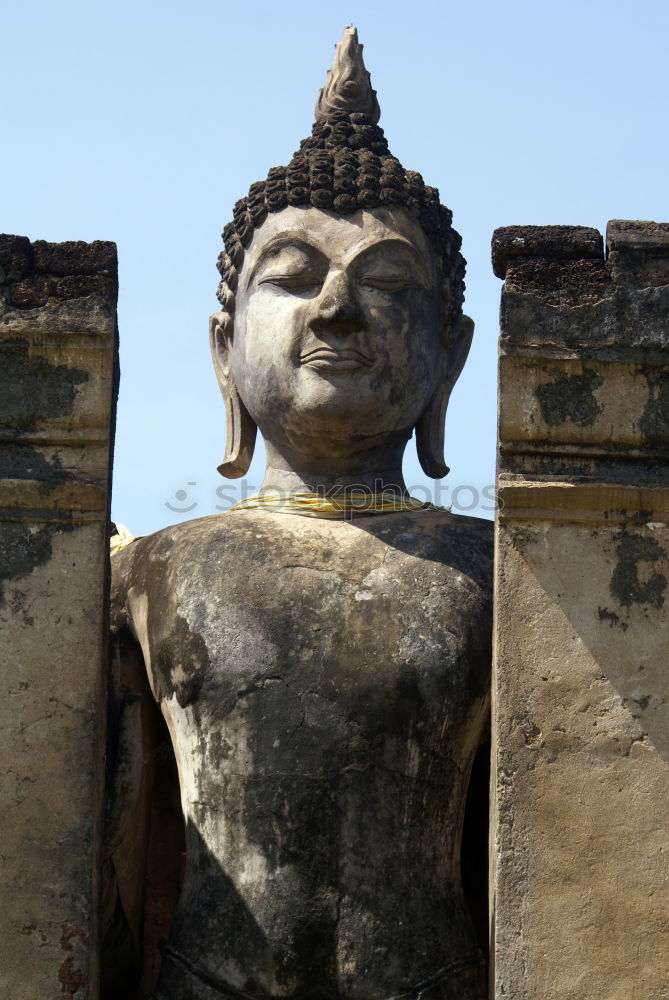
(647, 236)
(568, 282)
(78, 285)
(31, 292)
(15, 254)
(551, 242)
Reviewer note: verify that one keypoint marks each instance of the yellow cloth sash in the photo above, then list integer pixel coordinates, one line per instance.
(352, 504)
(120, 539)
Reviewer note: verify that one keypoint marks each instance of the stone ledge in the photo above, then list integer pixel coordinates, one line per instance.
(593, 503)
(36, 494)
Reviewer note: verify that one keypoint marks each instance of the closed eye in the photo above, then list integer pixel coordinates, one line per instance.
(292, 282)
(387, 283)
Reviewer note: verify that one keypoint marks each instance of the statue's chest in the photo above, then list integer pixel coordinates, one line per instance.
(325, 653)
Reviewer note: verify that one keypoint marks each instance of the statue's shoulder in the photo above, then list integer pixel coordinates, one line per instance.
(472, 538)
(150, 563)
(477, 533)
(457, 541)
(463, 526)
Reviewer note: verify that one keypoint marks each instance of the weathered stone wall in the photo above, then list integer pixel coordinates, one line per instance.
(57, 394)
(580, 857)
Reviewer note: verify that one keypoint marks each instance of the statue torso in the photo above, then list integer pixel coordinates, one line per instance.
(325, 685)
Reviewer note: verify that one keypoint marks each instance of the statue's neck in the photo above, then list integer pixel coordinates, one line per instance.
(377, 470)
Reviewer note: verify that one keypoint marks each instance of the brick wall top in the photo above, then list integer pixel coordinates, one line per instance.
(33, 273)
(627, 241)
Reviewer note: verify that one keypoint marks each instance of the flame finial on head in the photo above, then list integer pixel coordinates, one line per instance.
(348, 86)
(344, 166)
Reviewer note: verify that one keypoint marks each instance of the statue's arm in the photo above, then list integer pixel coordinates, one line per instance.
(120, 917)
(474, 853)
(144, 841)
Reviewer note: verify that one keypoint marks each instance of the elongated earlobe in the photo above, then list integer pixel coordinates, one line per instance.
(240, 437)
(431, 426)
(241, 430)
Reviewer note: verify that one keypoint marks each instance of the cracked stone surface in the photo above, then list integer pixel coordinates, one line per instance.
(580, 692)
(57, 396)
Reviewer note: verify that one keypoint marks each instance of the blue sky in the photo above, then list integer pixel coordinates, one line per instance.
(143, 123)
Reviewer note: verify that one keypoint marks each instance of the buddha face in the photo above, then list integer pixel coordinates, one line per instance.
(337, 330)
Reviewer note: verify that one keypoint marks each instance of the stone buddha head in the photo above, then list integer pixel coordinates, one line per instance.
(341, 290)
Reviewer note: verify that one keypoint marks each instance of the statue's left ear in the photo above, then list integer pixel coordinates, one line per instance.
(241, 430)
(430, 428)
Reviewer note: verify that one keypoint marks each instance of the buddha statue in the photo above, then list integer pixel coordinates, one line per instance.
(321, 652)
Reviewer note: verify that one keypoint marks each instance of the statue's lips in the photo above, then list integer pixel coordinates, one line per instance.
(325, 359)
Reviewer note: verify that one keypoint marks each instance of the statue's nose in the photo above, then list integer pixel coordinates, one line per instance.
(336, 309)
